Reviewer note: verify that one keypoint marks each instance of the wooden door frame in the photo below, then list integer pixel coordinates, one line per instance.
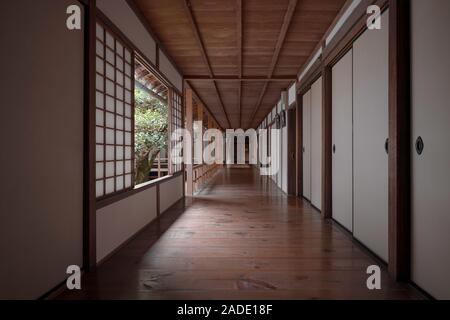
(399, 140)
(89, 195)
(291, 150)
(299, 145)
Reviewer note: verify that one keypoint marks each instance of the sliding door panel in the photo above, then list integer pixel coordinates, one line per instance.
(307, 145)
(42, 138)
(430, 170)
(316, 144)
(370, 119)
(342, 140)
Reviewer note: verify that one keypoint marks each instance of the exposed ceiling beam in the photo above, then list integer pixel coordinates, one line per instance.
(242, 79)
(194, 25)
(239, 52)
(281, 37)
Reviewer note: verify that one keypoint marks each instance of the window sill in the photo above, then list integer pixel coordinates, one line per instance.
(137, 189)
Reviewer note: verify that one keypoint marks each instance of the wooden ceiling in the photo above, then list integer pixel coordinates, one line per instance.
(238, 55)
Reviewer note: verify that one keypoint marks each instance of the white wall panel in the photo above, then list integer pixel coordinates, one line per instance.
(292, 94)
(371, 122)
(124, 18)
(307, 145)
(167, 68)
(41, 134)
(351, 8)
(316, 144)
(430, 170)
(119, 221)
(342, 140)
(170, 192)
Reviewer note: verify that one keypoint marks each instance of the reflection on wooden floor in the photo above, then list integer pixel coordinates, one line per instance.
(240, 238)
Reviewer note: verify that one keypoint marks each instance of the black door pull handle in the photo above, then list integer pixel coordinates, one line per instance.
(386, 145)
(419, 145)
(334, 148)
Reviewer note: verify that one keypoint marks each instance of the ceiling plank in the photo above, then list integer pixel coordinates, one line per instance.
(281, 37)
(194, 25)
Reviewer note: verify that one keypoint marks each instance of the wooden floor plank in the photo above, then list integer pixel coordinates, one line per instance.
(240, 238)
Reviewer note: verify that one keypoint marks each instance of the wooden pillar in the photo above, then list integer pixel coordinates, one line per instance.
(189, 127)
(326, 144)
(89, 201)
(170, 130)
(399, 140)
(299, 145)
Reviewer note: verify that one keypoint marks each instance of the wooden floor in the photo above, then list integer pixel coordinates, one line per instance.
(240, 238)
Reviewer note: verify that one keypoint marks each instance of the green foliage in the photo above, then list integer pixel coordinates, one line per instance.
(151, 132)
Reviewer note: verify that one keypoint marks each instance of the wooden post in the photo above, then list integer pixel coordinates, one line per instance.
(326, 144)
(399, 140)
(90, 213)
(299, 145)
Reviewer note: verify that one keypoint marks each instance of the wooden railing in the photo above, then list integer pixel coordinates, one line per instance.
(160, 167)
(202, 173)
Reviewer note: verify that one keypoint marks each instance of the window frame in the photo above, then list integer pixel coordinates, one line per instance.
(110, 198)
(175, 122)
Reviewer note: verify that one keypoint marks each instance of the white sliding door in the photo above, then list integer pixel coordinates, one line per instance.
(42, 138)
(430, 170)
(370, 125)
(307, 145)
(316, 144)
(342, 137)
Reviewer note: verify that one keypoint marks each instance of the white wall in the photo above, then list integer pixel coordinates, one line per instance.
(170, 192)
(41, 134)
(167, 68)
(292, 95)
(119, 221)
(120, 13)
(351, 8)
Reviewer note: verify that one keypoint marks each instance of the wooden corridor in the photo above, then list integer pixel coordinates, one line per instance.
(240, 238)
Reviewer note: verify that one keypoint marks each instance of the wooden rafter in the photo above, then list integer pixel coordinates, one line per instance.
(194, 25)
(241, 79)
(282, 36)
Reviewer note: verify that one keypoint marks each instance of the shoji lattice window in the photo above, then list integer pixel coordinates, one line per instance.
(176, 122)
(114, 114)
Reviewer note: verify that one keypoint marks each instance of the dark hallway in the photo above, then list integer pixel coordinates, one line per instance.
(240, 238)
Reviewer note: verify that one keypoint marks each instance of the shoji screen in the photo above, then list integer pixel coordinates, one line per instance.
(114, 114)
(307, 145)
(430, 169)
(370, 125)
(342, 140)
(316, 144)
